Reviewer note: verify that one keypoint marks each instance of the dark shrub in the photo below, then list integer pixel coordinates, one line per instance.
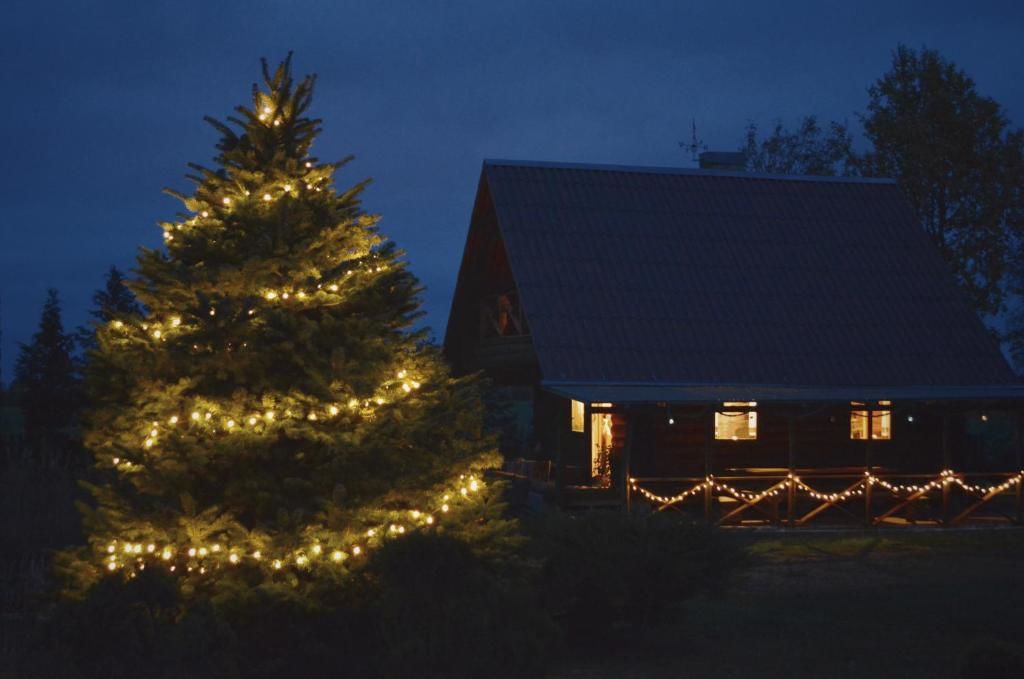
(440, 610)
(605, 571)
(992, 660)
(131, 629)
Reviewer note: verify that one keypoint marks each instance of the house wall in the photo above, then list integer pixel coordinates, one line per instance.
(660, 449)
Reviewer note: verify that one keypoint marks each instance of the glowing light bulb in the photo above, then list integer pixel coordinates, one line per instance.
(268, 197)
(269, 415)
(257, 555)
(112, 566)
(209, 415)
(226, 200)
(252, 421)
(266, 110)
(111, 548)
(333, 287)
(309, 164)
(203, 551)
(271, 295)
(150, 548)
(118, 324)
(337, 555)
(205, 213)
(195, 415)
(473, 485)
(429, 520)
(191, 551)
(284, 295)
(317, 549)
(353, 403)
(356, 550)
(415, 513)
(301, 560)
(277, 564)
(231, 423)
(213, 312)
(233, 558)
(312, 417)
(165, 555)
(415, 384)
(288, 188)
(370, 533)
(444, 508)
(334, 410)
(406, 388)
(156, 334)
(173, 419)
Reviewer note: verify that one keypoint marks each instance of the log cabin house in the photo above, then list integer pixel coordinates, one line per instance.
(762, 349)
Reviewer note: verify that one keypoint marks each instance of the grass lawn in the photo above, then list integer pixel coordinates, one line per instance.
(900, 603)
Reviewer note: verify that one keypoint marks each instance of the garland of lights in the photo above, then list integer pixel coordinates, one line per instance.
(945, 478)
(132, 557)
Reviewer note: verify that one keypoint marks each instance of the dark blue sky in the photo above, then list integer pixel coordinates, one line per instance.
(102, 103)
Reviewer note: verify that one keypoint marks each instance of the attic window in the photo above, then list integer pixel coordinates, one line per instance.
(577, 416)
(880, 421)
(736, 425)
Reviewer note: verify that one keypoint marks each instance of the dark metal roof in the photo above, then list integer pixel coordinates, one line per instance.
(688, 277)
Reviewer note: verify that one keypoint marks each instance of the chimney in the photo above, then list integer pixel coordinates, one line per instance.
(728, 161)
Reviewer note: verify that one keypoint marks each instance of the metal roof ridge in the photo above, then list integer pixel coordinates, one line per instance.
(642, 169)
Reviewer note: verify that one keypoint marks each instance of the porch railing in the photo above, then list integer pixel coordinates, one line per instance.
(871, 497)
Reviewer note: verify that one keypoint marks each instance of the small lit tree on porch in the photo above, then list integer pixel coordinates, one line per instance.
(272, 416)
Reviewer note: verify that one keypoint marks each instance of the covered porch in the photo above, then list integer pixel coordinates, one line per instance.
(785, 456)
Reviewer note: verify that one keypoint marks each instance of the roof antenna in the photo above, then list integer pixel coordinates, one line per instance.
(695, 146)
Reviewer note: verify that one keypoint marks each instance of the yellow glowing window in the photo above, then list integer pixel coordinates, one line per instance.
(577, 415)
(736, 425)
(879, 421)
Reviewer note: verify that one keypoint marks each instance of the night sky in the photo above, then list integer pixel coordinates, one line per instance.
(102, 104)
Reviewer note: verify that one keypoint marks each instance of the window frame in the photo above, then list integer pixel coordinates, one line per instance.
(876, 413)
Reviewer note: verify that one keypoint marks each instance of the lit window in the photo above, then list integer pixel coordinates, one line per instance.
(880, 422)
(736, 425)
(577, 415)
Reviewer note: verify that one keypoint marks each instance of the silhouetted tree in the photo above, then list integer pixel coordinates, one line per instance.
(807, 150)
(111, 301)
(959, 162)
(45, 383)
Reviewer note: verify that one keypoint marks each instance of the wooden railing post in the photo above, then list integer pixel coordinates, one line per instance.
(947, 464)
(869, 519)
(627, 453)
(559, 467)
(1018, 431)
(791, 485)
(709, 433)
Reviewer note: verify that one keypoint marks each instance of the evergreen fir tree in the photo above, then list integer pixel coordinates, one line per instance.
(45, 384)
(113, 300)
(273, 416)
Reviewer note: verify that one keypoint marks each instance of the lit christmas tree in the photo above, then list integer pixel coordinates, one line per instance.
(272, 417)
